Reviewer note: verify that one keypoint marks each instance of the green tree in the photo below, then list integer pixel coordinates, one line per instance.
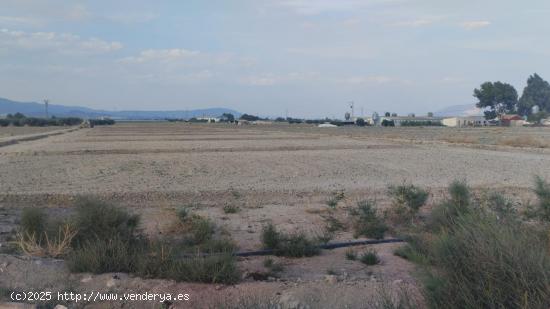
(499, 98)
(387, 114)
(360, 122)
(228, 117)
(537, 92)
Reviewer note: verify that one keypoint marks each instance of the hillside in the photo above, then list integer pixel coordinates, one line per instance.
(37, 110)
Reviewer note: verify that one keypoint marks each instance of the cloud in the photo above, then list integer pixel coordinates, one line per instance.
(414, 23)
(362, 80)
(315, 7)
(473, 25)
(270, 79)
(20, 21)
(161, 55)
(63, 43)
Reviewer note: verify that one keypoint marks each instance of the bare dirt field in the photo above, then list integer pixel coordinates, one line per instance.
(15, 131)
(275, 173)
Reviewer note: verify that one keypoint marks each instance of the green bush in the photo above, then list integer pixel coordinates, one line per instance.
(542, 190)
(481, 263)
(230, 209)
(366, 221)
(291, 245)
(459, 203)
(182, 213)
(271, 238)
(370, 257)
(471, 259)
(95, 219)
(115, 254)
(201, 229)
(109, 241)
(408, 196)
(33, 222)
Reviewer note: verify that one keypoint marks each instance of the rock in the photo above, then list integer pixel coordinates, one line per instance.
(60, 307)
(111, 283)
(86, 279)
(332, 279)
(398, 281)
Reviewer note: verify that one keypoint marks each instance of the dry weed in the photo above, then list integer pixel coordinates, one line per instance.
(56, 247)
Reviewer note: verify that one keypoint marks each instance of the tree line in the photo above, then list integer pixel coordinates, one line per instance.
(500, 98)
(19, 120)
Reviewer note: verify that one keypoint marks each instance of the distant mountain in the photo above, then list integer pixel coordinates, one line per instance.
(459, 110)
(37, 110)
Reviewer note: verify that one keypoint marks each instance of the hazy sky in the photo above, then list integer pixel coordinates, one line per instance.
(266, 56)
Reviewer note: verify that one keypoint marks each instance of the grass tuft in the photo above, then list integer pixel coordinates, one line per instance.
(370, 257)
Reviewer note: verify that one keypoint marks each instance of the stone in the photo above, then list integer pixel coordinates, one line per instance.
(332, 279)
(86, 279)
(60, 307)
(111, 283)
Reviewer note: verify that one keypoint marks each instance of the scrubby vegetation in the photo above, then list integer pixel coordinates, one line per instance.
(335, 198)
(480, 254)
(101, 238)
(407, 201)
(369, 257)
(366, 221)
(291, 245)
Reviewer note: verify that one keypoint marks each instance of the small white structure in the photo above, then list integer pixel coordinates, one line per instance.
(327, 125)
(545, 122)
(209, 119)
(467, 121)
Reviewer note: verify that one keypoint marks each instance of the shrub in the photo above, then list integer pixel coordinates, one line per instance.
(366, 221)
(473, 260)
(230, 209)
(333, 224)
(201, 229)
(542, 190)
(459, 203)
(102, 255)
(408, 196)
(460, 195)
(335, 198)
(182, 213)
(291, 245)
(370, 257)
(481, 263)
(270, 237)
(33, 222)
(95, 219)
(351, 255)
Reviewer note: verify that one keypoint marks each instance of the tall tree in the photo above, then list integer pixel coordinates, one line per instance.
(499, 98)
(537, 92)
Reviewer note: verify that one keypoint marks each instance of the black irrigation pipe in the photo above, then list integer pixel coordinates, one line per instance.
(328, 246)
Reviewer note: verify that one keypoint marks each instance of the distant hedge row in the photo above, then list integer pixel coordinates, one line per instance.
(40, 122)
(20, 120)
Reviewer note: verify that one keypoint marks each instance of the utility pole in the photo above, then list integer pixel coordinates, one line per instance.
(352, 105)
(46, 101)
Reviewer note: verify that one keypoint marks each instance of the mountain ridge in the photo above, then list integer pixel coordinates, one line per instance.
(37, 110)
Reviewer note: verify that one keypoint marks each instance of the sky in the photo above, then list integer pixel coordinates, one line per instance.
(269, 57)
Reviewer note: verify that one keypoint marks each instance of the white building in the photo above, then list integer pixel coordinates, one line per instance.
(467, 121)
(400, 120)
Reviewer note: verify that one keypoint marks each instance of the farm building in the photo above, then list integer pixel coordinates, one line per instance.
(410, 120)
(512, 120)
(468, 121)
